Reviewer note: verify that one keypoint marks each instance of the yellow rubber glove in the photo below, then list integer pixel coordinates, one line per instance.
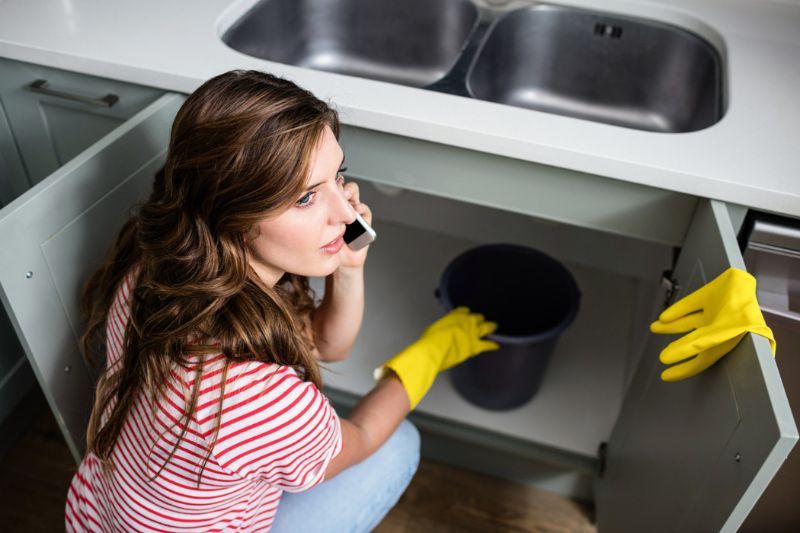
(450, 340)
(720, 313)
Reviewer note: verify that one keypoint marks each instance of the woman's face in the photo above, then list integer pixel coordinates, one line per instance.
(306, 238)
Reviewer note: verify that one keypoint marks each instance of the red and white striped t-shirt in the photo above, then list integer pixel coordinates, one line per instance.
(276, 433)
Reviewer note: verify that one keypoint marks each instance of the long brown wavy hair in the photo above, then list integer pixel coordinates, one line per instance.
(240, 150)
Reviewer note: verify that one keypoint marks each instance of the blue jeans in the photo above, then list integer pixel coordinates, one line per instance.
(356, 499)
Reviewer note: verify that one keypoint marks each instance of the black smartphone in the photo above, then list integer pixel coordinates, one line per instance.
(358, 234)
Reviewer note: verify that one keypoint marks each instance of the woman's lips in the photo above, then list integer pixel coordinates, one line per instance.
(335, 245)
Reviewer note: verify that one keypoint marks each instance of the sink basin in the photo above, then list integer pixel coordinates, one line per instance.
(409, 42)
(617, 70)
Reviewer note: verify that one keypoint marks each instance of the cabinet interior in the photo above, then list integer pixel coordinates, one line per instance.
(578, 402)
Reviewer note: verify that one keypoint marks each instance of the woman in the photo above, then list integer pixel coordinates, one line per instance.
(208, 415)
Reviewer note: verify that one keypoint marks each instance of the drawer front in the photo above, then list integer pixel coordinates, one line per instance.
(55, 114)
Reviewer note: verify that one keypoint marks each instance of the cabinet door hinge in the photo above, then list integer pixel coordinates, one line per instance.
(602, 452)
(671, 286)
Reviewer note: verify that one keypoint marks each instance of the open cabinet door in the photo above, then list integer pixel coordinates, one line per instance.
(695, 455)
(56, 234)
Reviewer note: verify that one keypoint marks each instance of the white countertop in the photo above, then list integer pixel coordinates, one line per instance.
(751, 157)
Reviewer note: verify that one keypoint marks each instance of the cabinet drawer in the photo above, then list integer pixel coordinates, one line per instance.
(53, 115)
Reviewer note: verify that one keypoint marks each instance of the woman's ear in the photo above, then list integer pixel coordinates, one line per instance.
(250, 235)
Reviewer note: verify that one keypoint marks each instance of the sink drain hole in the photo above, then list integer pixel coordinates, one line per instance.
(608, 30)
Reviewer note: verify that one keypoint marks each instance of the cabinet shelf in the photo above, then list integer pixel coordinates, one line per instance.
(582, 390)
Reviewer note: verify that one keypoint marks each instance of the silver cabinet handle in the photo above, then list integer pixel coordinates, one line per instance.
(42, 87)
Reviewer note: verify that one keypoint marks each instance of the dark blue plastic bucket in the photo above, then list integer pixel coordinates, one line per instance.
(532, 297)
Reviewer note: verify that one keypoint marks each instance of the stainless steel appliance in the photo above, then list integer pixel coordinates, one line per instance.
(771, 248)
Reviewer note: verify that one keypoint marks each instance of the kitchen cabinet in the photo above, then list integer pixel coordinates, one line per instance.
(695, 453)
(41, 128)
(54, 114)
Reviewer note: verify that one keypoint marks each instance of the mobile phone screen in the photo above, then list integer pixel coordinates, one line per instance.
(353, 231)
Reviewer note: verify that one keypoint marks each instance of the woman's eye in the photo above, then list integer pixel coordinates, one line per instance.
(306, 199)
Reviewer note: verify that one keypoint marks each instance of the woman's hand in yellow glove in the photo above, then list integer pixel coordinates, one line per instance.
(720, 313)
(450, 340)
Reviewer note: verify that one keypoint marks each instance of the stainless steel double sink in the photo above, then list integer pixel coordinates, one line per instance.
(619, 70)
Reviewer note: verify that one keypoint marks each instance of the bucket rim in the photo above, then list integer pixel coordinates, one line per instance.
(554, 331)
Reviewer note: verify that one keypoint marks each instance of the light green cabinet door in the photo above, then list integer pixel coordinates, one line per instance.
(55, 114)
(695, 455)
(59, 232)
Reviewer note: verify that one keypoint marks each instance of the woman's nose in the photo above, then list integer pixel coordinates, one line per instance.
(344, 211)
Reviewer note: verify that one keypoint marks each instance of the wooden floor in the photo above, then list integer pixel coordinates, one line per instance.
(445, 499)
(36, 471)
